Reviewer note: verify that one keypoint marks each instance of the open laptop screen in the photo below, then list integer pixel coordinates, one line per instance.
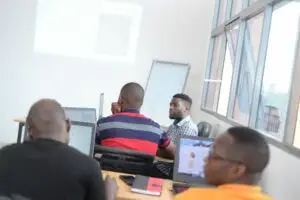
(189, 161)
(82, 137)
(81, 114)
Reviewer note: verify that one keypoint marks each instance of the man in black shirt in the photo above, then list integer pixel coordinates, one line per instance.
(46, 168)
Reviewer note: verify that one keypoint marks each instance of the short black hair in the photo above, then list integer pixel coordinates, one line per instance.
(134, 93)
(253, 147)
(185, 98)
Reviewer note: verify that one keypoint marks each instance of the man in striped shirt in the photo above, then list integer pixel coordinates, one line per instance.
(129, 129)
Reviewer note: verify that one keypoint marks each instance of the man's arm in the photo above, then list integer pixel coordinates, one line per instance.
(96, 187)
(166, 148)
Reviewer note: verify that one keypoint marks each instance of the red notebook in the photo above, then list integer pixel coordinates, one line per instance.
(147, 185)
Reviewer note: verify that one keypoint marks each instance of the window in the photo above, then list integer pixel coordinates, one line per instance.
(220, 76)
(274, 96)
(232, 37)
(252, 1)
(214, 79)
(245, 86)
(236, 7)
(252, 64)
(222, 11)
(296, 141)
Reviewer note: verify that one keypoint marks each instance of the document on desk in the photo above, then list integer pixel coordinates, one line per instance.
(147, 185)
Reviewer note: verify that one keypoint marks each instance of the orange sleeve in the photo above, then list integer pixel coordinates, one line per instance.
(196, 193)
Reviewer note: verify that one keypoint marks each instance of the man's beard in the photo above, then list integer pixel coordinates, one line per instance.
(177, 119)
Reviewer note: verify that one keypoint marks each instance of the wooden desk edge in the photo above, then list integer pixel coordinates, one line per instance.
(125, 193)
(20, 120)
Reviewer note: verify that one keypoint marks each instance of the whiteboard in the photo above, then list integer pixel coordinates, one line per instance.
(165, 80)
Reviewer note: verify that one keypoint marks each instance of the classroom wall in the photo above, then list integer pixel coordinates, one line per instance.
(171, 30)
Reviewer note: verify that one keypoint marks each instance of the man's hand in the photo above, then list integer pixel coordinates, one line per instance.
(115, 108)
(111, 188)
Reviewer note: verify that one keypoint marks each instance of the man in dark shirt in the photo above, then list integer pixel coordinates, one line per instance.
(46, 168)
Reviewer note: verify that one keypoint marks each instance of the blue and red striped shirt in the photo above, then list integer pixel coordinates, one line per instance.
(131, 130)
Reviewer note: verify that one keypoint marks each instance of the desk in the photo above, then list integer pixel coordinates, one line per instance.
(125, 193)
(21, 122)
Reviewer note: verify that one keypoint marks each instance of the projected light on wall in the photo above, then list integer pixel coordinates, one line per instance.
(90, 29)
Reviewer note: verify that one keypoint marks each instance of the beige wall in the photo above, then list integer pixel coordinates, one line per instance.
(171, 30)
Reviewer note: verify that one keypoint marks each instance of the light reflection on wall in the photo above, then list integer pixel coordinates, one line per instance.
(88, 29)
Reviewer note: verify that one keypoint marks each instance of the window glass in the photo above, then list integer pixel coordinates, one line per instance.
(274, 97)
(214, 79)
(226, 83)
(222, 12)
(237, 6)
(296, 142)
(251, 2)
(245, 86)
(232, 38)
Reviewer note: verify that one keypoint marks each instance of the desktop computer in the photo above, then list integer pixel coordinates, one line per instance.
(81, 114)
(82, 137)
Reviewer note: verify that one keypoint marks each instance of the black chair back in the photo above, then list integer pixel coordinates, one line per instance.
(125, 161)
(204, 129)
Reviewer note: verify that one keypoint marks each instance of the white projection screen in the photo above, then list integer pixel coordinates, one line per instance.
(92, 29)
(165, 80)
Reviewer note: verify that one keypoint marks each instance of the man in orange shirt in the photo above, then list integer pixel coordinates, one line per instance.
(234, 164)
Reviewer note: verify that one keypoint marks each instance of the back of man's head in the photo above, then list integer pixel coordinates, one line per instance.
(47, 119)
(254, 148)
(132, 95)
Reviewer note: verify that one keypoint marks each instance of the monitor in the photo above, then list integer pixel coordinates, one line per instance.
(101, 103)
(189, 160)
(81, 114)
(82, 137)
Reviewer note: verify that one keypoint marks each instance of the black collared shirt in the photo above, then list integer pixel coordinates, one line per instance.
(49, 170)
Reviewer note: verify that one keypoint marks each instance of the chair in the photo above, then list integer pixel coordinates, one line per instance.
(204, 129)
(125, 161)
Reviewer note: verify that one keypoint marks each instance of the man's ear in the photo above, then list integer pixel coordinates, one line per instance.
(239, 170)
(29, 133)
(68, 122)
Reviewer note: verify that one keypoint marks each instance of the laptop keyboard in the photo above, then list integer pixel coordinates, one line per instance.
(180, 187)
(165, 167)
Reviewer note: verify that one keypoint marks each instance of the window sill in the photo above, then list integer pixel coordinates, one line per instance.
(283, 146)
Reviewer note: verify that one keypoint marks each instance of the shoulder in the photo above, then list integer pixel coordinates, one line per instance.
(197, 193)
(11, 149)
(105, 119)
(192, 125)
(76, 154)
(152, 122)
(83, 163)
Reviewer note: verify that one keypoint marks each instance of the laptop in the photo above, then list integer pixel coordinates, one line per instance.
(189, 160)
(82, 137)
(81, 114)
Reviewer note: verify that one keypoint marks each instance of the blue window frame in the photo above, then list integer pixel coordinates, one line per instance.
(242, 64)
